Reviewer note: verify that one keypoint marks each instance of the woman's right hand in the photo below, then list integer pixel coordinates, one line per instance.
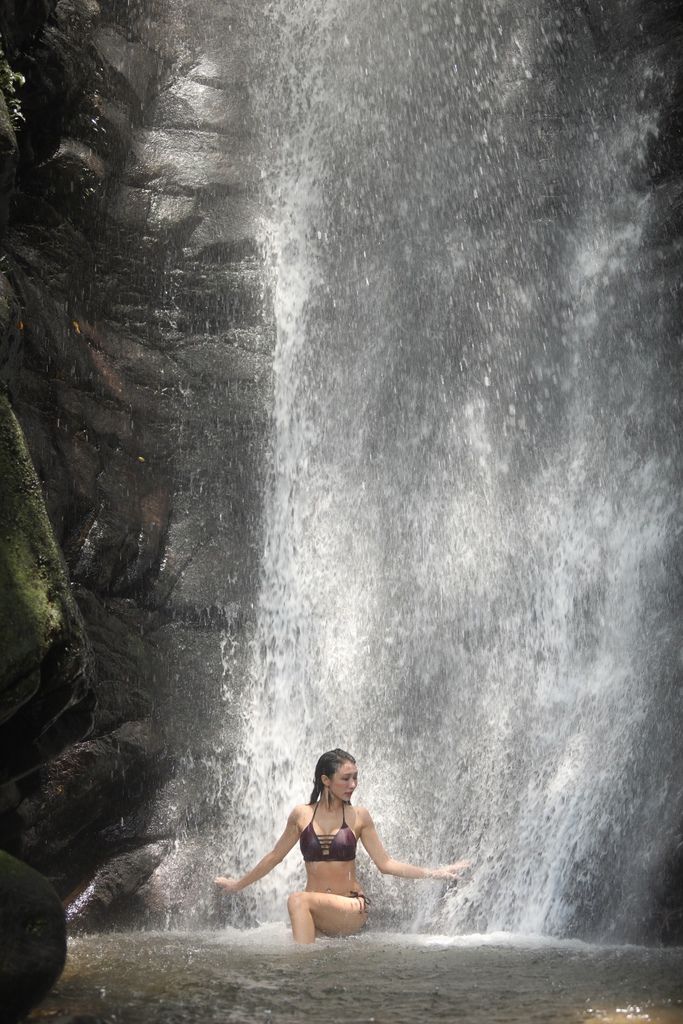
(230, 885)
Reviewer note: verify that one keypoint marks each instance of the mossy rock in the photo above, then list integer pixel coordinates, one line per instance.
(32, 938)
(43, 649)
(33, 582)
(9, 155)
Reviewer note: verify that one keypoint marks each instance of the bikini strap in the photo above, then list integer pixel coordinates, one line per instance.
(314, 810)
(343, 816)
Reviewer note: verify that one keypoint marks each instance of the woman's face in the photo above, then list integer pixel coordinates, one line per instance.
(344, 781)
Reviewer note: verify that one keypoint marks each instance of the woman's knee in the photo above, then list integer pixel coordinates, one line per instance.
(296, 901)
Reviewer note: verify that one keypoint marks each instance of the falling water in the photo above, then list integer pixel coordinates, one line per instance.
(472, 511)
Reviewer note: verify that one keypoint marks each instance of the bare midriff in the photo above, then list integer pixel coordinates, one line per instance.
(337, 877)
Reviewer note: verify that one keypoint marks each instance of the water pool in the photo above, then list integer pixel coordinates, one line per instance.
(201, 978)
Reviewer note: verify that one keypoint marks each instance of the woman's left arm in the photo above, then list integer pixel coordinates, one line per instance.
(389, 866)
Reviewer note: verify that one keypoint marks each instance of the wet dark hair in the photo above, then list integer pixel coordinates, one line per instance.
(328, 763)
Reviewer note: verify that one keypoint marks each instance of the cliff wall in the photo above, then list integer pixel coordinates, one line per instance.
(136, 357)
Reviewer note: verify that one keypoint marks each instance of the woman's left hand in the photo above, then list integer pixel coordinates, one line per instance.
(452, 870)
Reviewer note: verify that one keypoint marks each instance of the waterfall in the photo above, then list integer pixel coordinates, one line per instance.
(473, 500)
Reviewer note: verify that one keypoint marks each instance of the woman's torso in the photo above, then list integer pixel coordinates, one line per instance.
(328, 874)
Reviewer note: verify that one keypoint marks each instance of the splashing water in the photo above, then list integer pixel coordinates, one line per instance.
(473, 503)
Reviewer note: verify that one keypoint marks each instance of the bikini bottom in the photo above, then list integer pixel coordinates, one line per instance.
(363, 900)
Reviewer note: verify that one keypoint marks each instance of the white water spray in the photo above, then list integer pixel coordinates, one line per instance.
(471, 512)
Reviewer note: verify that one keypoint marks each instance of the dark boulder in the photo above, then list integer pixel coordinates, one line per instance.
(32, 938)
(68, 823)
(119, 879)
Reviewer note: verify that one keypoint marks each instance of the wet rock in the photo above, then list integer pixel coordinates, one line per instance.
(32, 938)
(78, 1018)
(207, 579)
(137, 207)
(141, 378)
(190, 700)
(45, 698)
(10, 797)
(22, 19)
(66, 824)
(74, 178)
(665, 924)
(119, 879)
(231, 357)
(9, 153)
(192, 104)
(232, 224)
(174, 882)
(134, 63)
(220, 67)
(187, 161)
(55, 71)
(125, 662)
(92, 782)
(11, 354)
(79, 14)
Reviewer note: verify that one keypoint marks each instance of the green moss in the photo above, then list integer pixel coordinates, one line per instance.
(14, 873)
(35, 601)
(10, 81)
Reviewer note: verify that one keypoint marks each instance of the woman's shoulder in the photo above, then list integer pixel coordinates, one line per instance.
(361, 817)
(301, 814)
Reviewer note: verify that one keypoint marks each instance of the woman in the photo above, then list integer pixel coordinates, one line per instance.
(327, 830)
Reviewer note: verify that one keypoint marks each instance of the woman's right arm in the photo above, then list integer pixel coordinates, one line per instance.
(285, 843)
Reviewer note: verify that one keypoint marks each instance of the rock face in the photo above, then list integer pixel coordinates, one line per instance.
(45, 700)
(661, 25)
(32, 938)
(136, 357)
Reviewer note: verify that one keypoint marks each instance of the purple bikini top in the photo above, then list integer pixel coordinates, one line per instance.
(340, 846)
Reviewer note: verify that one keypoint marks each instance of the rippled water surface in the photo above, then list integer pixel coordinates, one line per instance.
(388, 979)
